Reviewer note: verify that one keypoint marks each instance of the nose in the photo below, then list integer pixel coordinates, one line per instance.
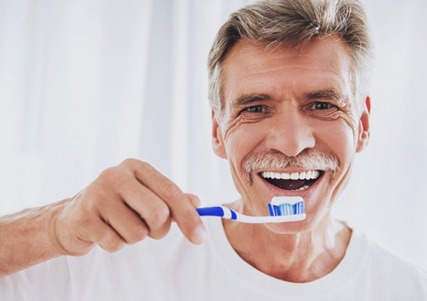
(290, 133)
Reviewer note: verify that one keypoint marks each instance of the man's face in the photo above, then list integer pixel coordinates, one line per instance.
(290, 103)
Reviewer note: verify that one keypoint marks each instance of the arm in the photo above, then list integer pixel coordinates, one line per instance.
(27, 238)
(124, 205)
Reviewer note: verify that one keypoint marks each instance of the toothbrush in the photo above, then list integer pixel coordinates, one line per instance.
(282, 209)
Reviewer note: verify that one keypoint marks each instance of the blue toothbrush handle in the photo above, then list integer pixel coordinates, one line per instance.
(220, 211)
(210, 211)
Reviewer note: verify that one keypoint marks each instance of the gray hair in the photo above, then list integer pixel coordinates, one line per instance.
(294, 23)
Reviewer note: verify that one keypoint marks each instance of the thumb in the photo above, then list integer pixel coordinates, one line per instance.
(194, 200)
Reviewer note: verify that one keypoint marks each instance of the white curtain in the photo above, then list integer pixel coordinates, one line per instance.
(86, 84)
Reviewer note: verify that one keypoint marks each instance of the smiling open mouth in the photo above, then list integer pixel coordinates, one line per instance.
(295, 181)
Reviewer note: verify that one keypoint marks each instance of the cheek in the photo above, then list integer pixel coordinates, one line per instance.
(353, 126)
(339, 138)
(241, 138)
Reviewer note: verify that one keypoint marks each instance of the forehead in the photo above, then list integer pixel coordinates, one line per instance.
(250, 67)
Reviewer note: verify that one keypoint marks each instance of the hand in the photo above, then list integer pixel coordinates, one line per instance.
(124, 205)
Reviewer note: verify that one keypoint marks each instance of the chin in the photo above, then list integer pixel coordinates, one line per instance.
(311, 222)
(290, 228)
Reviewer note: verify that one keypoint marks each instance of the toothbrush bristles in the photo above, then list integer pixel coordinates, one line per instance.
(286, 209)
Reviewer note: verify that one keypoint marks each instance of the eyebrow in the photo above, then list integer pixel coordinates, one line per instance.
(249, 98)
(328, 93)
(246, 99)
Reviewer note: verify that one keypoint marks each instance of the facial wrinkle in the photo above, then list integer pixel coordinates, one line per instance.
(231, 126)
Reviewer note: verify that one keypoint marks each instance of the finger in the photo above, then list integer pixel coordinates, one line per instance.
(124, 221)
(88, 222)
(102, 234)
(149, 207)
(182, 210)
(194, 200)
(123, 184)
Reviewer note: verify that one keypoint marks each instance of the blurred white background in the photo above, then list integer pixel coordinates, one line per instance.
(86, 84)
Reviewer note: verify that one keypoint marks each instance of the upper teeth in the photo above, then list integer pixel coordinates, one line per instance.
(304, 175)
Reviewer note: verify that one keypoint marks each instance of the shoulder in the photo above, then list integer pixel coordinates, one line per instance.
(389, 271)
(388, 259)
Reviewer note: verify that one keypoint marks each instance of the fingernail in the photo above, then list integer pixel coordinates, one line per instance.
(199, 235)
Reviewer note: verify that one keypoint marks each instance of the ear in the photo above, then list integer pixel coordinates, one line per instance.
(217, 138)
(363, 132)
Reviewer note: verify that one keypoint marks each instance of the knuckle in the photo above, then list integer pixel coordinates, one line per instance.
(193, 199)
(129, 162)
(169, 190)
(161, 232)
(111, 179)
(93, 193)
(111, 242)
(138, 234)
(159, 221)
(109, 175)
(160, 214)
(92, 201)
(132, 163)
(114, 247)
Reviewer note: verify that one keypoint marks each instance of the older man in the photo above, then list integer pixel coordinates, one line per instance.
(290, 109)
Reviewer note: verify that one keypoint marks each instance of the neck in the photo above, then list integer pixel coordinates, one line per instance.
(296, 257)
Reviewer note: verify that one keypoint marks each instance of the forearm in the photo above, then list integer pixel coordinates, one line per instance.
(28, 238)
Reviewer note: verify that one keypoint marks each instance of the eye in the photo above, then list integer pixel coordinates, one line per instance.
(322, 106)
(255, 109)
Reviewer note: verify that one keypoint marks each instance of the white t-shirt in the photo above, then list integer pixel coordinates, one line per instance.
(174, 269)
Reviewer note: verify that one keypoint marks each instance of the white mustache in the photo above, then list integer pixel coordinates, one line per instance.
(308, 159)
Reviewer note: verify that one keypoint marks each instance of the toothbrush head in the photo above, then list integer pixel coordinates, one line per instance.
(286, 205)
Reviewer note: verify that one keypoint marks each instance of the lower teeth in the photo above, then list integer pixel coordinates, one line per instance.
(301, 188)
